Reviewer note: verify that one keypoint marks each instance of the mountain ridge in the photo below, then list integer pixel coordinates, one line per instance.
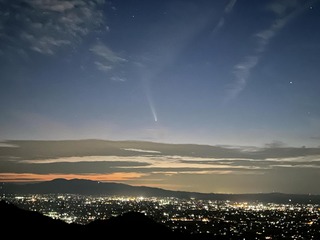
(90, 187)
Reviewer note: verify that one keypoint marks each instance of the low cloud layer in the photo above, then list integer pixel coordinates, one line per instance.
(139, 161)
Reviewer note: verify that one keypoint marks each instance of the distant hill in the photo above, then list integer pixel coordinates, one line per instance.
(17, 222)
(88, 187)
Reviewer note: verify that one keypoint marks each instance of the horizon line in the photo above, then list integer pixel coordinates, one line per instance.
(170, 190)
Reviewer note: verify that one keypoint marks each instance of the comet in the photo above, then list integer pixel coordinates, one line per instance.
(152, 108)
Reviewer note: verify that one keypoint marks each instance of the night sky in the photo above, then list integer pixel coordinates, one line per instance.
(241, 76)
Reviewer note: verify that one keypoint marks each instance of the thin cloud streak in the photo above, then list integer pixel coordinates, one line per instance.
(106, 54)
(230, 6)
(242, 73)
(226, 11)
(141, 150)
(300, 159)
(298, 166)
(118, 79)
(103, 66)
(150, 164)
(208, 172)
(7, 145)
(153, 162)
(243, 69)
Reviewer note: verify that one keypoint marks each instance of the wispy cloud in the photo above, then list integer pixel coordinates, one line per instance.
(298, 159)
(203, 172)
(285, 11)
(105, 67)
(281, 7)
(107, 60)
(54, 5)
(182, 164)
(242, 72)
(6, 145)
(275, 144)
(44, 45)
(118, 79)
(226, 11)
(150, 162)
(298, 166)
(106, 54)
(45, 26)
(141, 150)
(230, 6)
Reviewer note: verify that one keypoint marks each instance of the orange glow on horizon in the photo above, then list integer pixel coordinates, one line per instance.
(31, 177)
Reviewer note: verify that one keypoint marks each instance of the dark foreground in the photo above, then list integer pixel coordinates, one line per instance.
(16, 222)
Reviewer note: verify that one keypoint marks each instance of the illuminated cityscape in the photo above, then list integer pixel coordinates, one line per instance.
(254, 220)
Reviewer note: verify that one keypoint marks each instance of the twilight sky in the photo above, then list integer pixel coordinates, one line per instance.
(232, 74)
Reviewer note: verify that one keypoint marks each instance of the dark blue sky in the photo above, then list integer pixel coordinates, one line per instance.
(240, 75)
(213, 72)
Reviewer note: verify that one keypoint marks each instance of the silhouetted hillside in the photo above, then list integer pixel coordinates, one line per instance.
(18, 222)
(88, 187)
(32, 224)
(137, 224)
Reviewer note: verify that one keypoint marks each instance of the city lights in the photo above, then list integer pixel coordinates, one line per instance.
(218, 218)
